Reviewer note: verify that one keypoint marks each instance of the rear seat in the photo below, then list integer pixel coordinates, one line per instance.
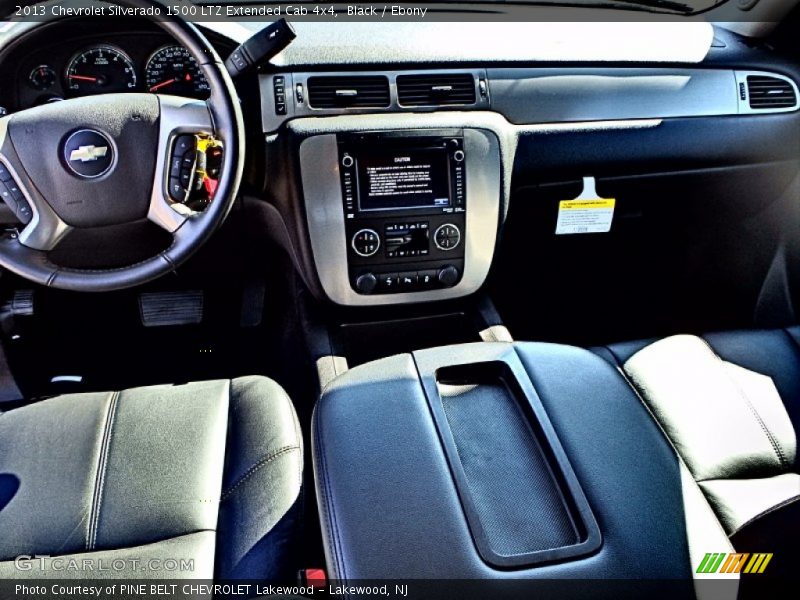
(730, 405)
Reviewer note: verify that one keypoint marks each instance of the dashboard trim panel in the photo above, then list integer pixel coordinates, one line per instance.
(319, 161)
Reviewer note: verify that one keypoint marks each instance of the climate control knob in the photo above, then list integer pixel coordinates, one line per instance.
(365, 283)
(366, 242)
(447, 237)
(448, 275)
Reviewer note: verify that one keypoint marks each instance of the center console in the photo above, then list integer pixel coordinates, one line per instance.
(400, 214)
(492, 469)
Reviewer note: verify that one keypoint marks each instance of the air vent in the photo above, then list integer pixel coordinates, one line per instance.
(770, 92)
(348, 92)
(436, 89)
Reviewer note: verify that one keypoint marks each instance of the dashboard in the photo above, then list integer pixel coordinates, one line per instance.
(62, 63)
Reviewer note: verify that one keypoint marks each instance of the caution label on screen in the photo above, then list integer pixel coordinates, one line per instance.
(585, 216)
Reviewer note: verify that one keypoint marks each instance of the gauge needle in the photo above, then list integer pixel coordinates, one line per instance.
(162, 84)
(83, 77)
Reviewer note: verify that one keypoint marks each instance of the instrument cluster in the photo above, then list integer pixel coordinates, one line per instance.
(74, 70)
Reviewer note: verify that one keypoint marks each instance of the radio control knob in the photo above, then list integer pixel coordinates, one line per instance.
(458, 156)
(347, 161)
(366, 242)
(365, 283)
(448, 275)
(447, 237)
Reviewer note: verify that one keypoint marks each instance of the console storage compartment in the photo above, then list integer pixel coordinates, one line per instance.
(505, 463)
(517, 488)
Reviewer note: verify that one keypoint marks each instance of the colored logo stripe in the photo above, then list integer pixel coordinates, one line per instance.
(734, 563)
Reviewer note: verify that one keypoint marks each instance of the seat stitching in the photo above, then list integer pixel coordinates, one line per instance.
(330, 514)
(252, 470)
(100, 476)
(743, 395)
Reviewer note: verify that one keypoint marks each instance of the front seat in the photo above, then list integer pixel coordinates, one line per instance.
(730, 405)
(198, 480)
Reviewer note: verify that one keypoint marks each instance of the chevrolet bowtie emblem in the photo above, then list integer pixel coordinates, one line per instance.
(88, 153)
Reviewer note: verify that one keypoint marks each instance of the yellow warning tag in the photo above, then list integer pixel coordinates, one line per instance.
(585, 216)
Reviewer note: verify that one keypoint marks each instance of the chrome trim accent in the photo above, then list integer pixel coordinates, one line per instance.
(91, 155)
(178, 115)
(744, 103)
(319, 160)
(439, 228)
(45, 229)
(353, 242)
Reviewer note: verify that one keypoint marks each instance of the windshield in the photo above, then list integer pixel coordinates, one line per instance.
(686, 7)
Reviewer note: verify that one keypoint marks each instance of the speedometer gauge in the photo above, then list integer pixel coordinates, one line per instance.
(100, 70)
(172, 70)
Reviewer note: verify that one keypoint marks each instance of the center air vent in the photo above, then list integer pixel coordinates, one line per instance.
(436, 89)
(348, 92)
(770, 92)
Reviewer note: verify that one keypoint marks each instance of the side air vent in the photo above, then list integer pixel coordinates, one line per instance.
(368, 91)
(767, 92)
(436, 89)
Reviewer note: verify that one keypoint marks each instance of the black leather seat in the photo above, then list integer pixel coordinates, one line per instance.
(730, 405)
(205, 473)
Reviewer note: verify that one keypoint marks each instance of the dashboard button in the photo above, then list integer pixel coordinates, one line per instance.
(366, 242)
(427, 279)
(447, 237)
(388, 282)
(408, 280)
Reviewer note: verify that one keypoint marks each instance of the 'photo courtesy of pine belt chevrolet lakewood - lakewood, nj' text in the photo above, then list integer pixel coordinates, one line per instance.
(461, 300)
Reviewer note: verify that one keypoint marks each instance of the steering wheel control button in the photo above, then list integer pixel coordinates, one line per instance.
(447, 237)
(366, 283)
(5, 174)
(88, 153)
(182, 166)
(366, 242)
(183, 144)
(448, 276)
(12, 196)
(175, 166)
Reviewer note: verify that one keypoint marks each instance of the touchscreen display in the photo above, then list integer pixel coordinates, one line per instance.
(403, 178)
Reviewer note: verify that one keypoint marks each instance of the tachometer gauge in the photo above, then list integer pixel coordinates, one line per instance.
(172, 70)
(100, 70)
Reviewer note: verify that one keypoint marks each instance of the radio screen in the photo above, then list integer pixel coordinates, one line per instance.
(415, 178)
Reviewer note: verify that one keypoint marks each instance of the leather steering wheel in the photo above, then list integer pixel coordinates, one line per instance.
(105, 160)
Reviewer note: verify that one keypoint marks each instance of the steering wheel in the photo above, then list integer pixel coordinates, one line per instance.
(106, 160)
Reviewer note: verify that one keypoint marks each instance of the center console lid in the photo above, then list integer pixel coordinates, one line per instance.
(505, 463)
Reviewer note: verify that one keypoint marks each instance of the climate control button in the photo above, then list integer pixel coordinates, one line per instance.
(447, 237)
(366, 242)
